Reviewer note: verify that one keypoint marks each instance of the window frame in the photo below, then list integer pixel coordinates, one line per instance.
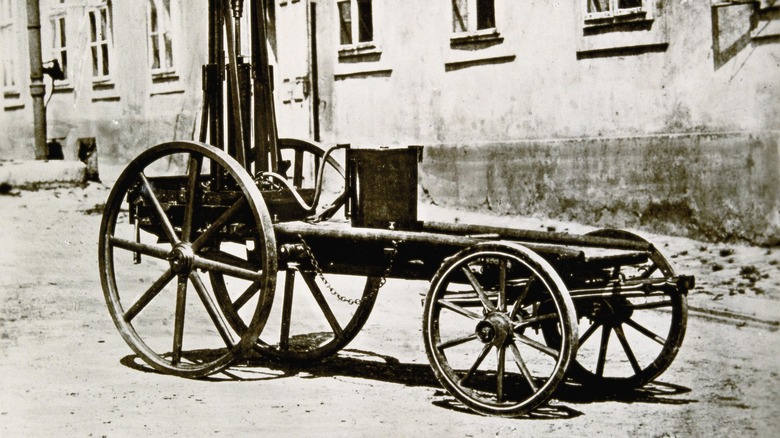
(355, 25)
(166, 25)
(102, 46)
(58, 47)
(616, 14)
(9, 67)
(472, 25)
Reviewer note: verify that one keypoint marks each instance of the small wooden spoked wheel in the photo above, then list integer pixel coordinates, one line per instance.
(629, 339)
(482, 321)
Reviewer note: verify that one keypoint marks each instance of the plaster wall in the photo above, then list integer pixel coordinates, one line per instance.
(134, 113)
(672, 128)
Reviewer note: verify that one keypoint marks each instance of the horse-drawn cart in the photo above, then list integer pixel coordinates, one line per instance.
(196, 237)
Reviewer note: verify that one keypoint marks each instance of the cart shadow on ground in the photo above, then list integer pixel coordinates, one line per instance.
(359, 364)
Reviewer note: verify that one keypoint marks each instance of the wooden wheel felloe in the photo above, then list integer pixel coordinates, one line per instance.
(310, 323)
(482, 318)
(629, 339)
(310, 320)
(172, 214)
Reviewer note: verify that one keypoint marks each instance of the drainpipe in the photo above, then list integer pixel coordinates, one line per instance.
(37, 87)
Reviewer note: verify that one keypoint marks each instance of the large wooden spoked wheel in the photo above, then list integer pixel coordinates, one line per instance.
(482, 318)
(315, 318)
(312, 319)
(628, 340)
(168, 218)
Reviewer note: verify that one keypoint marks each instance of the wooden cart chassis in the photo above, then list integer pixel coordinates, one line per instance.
(235, 187)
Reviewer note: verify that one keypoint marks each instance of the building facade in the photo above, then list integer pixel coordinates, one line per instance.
(132, 74)
(642, 113)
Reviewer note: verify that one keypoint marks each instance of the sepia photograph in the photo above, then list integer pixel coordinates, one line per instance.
(390, 218)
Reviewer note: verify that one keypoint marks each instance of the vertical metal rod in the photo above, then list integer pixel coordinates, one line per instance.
(314, 72)
(260, 138)
(233, 83)
(266, 136)
(37, 87)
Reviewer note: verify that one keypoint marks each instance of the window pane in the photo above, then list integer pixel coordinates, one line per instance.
(345, 22)
(168, 51)
(105, 59)
(155, 52)
(64, 63)
(486, 14)
(629, 4)
(103, 24)
(92, 27)
(152, 17)
(54, 34)
(460, 16)
(366, 28)
(598, 6)
(94, 61)
(63, 40)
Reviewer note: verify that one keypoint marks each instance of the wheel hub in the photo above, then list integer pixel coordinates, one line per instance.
(181, 258)
(495, 329)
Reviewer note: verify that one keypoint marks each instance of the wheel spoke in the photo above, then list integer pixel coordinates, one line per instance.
(482, 355)
(589, 332)
(178, 327)
(149, 295)
(650, 270)
(653, 305)
(502, 285)
(627, 348)
(218, 224)
(230, 259)
(194, 167)
(224, 268)
(523, 367)
(148, 193)
(289, 285)
(537, 345)
(645, 331)
(308, 277)
(456, 341)
(517, 306)
(605, 332)
(212, 309)
(247, 295)
(501, 353)
(478, 289)
(149, 250)
(457, 309)
(531, 321)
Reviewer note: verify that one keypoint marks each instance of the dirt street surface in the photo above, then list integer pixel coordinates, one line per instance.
(65, 370)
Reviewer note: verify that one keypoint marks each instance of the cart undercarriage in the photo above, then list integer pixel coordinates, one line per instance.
(203, 245)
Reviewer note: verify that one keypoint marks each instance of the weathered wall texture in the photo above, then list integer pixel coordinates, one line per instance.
(672, 125)
(135, 113)
(718, 186)
(672, 128)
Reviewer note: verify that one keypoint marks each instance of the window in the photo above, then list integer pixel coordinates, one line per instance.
(471, 16)
(100, 41)
(611, 9)
(357, 29)
(160, 36)
(7, 47)
(59, 43)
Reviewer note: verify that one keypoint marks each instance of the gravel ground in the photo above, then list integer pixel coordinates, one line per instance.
(66, 371)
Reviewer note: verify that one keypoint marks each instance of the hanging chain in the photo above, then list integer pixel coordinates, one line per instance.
(334, 292)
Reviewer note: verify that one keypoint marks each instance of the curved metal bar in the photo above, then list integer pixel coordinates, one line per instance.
(318, 188)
